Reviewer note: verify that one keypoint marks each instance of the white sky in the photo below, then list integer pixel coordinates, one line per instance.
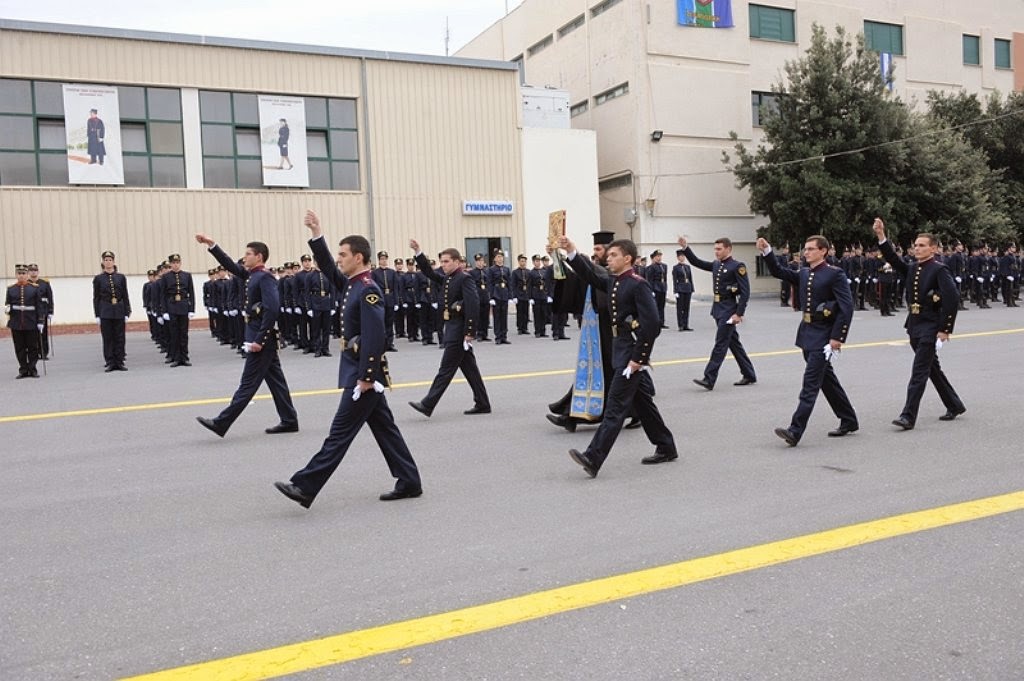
(416, 26)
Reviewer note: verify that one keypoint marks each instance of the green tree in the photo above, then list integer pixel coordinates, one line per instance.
(872, 156)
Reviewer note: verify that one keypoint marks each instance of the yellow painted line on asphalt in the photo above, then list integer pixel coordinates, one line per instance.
(419, 384)
(400, 636)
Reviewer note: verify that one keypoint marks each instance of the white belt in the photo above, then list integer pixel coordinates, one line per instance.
(24, 308)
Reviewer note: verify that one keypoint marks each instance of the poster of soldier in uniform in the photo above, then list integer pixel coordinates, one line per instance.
(283, 141)
(92, 126)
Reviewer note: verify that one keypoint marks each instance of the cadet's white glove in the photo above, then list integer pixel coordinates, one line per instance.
(493, 303)
(167, 317)
(309, 313)
(49, 319)
(405, 305)
(531, 301)
(830, 354)
(40, 327)
(550, 299)
(1009, 278)
(159, 320)
(677, 296)
(958, 279)
(97, 320)
(980, 280)
(126, 319)
(938, 344)
(334, 312)
(418, 306)
(357, 393)
(433, 305)
(396, 308)
(856, 280)
(234, 313)
(467, 346)
(191, 315)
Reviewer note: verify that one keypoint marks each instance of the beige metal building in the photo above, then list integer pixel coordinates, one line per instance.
(663, 97)
(397, 145)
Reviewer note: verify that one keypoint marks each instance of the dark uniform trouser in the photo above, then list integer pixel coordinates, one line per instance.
(523, 316)
(177, 337)
(485, 316)
(371, 408)
(926, 366)
(46, 336)
(320, 331)
(389, 321)
(728, 338)
(261, 366)
(540, 317)
(636, 393)
(455, 358)
(26, 349)
(820, 377)
(426, 314)
(659, 302)
(112, 331)
(500, 320)
(683, 310)
(303, 323)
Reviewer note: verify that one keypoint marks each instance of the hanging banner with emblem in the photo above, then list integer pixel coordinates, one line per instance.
(92, 126)
(705, 13)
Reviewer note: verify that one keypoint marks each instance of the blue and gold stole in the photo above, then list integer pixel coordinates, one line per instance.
(588, 387)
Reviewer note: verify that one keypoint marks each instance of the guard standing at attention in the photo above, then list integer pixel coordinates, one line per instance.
(731, 289)
(521, 290)
(932, 302)
(657, 276)
(682, 287)
(362, 376)
(112, 308)
(46, 293)
(387, 281)
(499, 280)
(178, 305)
(25, 312)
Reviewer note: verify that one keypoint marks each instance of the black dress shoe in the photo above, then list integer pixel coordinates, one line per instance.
(583, 460)
(401, 494)
(787, 436)
(687, 329)
(110, 367)
(282, 428)
(633, 424)
(177, 364)
(659, 458)
(391, 348)
(168, 361)
(745, 381)
(704, 383)
(294, 493)
(20, 376)
(120, 367)
(562, 422)
(903, 423)
(325, 353)
(418, 406)
(210, 425)
(318, 354)
(478, 410)
(951, 414)
(843, 430)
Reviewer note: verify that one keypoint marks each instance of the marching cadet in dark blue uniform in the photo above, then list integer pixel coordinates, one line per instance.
(320, 294)
(362, 376)
(459, 305)
(261, 306)
(46, 293)
(499, 281)
(112, 308)
(25, 313)
(538, 298)
(823, 292)
(521, 290)
(657, 276)
(682, 287)
(635, 326)
(731, 289)
(387, 281)
(178, 306)
(932, 301)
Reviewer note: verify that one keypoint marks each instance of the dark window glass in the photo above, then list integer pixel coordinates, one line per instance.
(316, 112)
(247, 109)
(319, 175)
(250, 173)
(164, 104)
(16, 133)
(218, 140)
(166, 138)
(18, 168)
(136, 171)
(215, 107)
(972, 50)
(343, 145)
(51, 135)
(168, 172)
(53, 170)
(881, 37)
(1002, 48)
(131, 101)
(342, 113)
(218, 173)
(49, 99)
(247, 142)
(15, 96)
(133, 137)
(316, 144)
(772, 23)
(346, 175)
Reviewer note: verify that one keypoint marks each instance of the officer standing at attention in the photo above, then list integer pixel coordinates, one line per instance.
(538, 298)
(362, 376)
(657, 276)
(499, 279)
(46, 293)
(521, 290)
(178, 301)
(147, 304)
(932, 302)
(682, 287)
(25, 313)
(460, 306)
(388, 283)
(635, 326)
(731, 289)
(112, 308)
(321, 305)
(261, 306)
(483, 287)
(823, 292)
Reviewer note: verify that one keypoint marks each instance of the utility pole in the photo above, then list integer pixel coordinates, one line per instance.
(447, 36)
